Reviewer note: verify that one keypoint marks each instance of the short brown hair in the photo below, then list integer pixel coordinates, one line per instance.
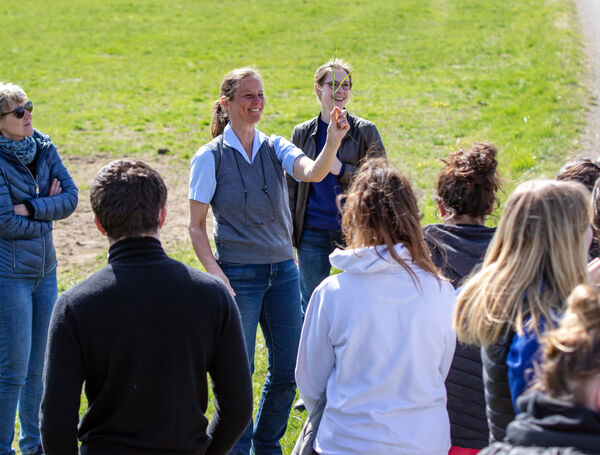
(582, 170)
(380, 208)
(126, 196)
(469, 181)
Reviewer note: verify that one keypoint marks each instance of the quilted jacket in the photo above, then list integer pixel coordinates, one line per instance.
(26, 247)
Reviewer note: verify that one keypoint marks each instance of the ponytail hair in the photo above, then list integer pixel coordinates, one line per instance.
(571, 353)
(229, 85)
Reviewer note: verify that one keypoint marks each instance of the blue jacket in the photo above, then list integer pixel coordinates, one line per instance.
(26, 247)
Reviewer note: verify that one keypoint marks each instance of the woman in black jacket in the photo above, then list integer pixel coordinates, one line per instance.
(466, 195)
(315, 215)
(562, 417)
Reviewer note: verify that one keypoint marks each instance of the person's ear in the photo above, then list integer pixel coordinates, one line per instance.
(224, 102)
(318, 91)
(98, 225)
(162, 216)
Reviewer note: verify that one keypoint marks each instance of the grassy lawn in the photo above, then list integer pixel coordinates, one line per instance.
(128, 77)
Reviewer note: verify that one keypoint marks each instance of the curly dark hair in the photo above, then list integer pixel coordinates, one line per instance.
(469, 181)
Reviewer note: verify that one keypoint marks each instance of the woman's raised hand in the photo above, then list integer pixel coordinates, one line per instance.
(338, 125)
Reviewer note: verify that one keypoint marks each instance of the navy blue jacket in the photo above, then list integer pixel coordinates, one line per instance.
(26, 247)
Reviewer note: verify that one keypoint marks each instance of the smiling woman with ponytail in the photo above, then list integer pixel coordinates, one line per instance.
(240, 174)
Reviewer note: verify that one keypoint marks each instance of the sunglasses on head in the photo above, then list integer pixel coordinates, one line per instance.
(20, 111)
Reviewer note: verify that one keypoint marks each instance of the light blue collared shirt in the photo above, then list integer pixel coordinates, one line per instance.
(203, 181)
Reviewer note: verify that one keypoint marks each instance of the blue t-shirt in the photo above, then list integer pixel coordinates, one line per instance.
(321, 208)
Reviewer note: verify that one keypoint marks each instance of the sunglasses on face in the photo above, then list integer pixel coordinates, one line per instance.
(20, 111)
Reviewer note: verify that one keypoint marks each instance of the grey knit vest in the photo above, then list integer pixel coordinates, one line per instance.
(253, 223)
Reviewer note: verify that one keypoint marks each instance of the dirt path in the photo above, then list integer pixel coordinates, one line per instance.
(77, 241)
(589, 15)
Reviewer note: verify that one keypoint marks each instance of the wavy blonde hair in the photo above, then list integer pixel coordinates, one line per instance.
(537, 256)
(380, 208)
(571, 354)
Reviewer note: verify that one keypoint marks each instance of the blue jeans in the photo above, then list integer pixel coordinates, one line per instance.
(313, 258)
(269, 295)
(25, 309)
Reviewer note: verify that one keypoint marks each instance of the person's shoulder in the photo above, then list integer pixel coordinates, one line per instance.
(205, 154)
(42, 140)
(204, 282)
(91, 286)
(360, 122)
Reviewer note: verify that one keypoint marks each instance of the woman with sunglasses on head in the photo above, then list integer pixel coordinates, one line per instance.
(35, 190)
(240, 174)
(377, 340)
(315, 216)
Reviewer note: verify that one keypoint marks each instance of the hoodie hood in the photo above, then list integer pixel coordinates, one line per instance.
(373, 259)
(457, 249)
(548, 422)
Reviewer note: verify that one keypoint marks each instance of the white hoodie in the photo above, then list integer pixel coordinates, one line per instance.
(380, 349)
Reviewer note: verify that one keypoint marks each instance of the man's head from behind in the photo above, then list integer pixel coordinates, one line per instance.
(128, 199)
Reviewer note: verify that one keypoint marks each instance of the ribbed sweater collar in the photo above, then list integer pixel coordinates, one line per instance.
(135, 250)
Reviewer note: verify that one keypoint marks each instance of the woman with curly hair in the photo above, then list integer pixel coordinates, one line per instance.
(466, 195)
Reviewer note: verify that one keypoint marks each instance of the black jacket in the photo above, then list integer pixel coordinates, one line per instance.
(361, 139)
(143, 332)
(499, 407)
(546, 426)
(456, 250)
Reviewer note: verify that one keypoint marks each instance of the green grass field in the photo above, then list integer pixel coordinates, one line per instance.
(130, 77)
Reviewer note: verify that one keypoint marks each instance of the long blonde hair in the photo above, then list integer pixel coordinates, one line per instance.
(537, 256)
(571, 354)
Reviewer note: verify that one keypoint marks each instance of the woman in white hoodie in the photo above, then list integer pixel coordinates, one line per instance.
(377, 340)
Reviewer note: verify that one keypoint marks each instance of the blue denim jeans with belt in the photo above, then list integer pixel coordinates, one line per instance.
(25, 310)
(269, 295)
(313, 259)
